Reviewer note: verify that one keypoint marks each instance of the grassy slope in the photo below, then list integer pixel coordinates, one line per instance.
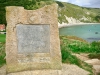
(74, 11)
(72, 44)
(67, 52)
(78, 45)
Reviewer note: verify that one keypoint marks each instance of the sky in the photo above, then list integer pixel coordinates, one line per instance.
(84, 3)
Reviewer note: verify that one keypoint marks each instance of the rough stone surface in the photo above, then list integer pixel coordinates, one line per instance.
(96, 65)
(3, 70)
(82, 56)
(97, 69)
(67, 69)
(93, 61)
(20, 61)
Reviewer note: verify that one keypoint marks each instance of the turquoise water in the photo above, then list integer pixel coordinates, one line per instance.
(89, 32)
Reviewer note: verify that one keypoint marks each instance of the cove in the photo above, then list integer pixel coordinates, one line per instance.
(88, 32)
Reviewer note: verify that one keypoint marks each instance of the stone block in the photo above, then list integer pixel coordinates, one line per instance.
(32, 40)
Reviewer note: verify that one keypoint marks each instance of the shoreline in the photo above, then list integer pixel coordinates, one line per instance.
(76, 24)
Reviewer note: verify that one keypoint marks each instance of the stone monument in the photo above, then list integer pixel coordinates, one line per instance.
(32, 40)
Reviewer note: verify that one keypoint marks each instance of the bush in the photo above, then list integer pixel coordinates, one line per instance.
(95, 46)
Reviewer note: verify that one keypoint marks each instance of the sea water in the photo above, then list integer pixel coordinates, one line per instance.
(88, 32)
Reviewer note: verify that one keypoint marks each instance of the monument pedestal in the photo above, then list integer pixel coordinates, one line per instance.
(32, 41)
(38, 72)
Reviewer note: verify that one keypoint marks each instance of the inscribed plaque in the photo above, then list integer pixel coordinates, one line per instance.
(33, 38)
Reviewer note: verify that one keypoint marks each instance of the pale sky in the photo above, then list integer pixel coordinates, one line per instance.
(84, 3)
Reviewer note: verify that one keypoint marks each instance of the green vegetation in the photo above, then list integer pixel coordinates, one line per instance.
(2, 54)
(2, 49)
(2, 37)
(72, 44)
(79, 13)
(77, 45)
(67, 57)
(27, 4)
(94, 55)
(98, 73)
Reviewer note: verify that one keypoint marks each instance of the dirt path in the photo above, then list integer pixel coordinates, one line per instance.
(73, 70)
(94, 62)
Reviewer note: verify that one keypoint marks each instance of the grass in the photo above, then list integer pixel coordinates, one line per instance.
(2, 54)
(2, 37)
(98, 74)
(78, 45)
(94, 55)
(2, 49)
(78, 13)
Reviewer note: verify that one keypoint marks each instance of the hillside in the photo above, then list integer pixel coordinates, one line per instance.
(67, 13)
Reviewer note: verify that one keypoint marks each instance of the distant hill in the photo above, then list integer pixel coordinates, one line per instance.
(67, 13)
(70, 13)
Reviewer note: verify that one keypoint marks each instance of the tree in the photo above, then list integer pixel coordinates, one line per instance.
(97, 18)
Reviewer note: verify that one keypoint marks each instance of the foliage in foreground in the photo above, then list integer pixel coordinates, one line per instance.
(94, 55)
(67, 52)
(77, 45)
(2, 49)
(67, 57)
(80, 46)
(2, 54)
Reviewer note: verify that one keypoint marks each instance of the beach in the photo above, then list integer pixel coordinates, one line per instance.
(75, 24)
